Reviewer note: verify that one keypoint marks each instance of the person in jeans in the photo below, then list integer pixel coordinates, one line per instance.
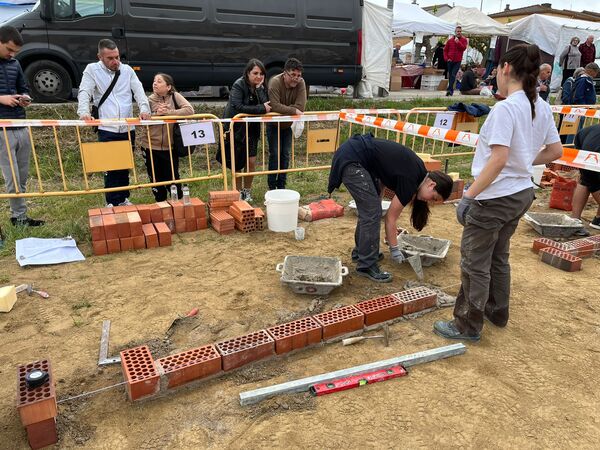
(287, 94)
(589, 181)
(364, 164)
(95, 81)
(14, 98)
(163, 101)
(453, 53)
(509, 145)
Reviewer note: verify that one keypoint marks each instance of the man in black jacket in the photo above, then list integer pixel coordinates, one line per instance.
(14, 151)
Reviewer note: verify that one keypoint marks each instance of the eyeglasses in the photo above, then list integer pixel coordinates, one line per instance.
(294, 76)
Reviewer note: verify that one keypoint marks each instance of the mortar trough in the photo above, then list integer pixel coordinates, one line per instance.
(311, 274)
(430, 249)
(553, 224)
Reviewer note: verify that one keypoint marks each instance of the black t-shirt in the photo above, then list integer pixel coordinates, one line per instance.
(588, 139)
(396, 166)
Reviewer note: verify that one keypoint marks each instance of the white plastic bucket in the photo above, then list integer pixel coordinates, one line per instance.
(538, 171)
(282, 209)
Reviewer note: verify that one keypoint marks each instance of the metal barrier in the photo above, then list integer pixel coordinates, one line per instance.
(569, 119)
(71, 171)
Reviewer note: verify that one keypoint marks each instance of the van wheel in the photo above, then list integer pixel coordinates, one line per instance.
(272, 71)
(49, 82)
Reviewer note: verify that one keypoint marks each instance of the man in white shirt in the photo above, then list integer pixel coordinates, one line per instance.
(96, 80)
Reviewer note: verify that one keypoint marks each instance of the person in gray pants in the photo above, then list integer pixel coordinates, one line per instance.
(364, 164)
(16, 150)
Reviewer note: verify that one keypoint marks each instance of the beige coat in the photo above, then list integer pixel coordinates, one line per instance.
(158, 133)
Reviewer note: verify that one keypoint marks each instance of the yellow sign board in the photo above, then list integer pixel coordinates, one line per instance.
(104, 156)
(321, 140)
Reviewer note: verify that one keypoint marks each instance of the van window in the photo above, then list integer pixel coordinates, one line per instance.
(75, 9)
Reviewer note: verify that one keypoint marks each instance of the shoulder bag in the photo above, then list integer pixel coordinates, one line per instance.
(96, 109)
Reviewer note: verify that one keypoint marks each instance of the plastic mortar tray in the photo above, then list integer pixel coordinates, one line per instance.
(553, 224)
(430, 249)
(312, 274)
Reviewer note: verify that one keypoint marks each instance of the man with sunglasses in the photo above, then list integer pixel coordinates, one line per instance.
(287, 94)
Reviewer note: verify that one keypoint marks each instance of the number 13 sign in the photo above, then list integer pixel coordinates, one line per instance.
(197, 133)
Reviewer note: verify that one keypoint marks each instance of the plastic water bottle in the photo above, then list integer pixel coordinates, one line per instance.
(174, 193)
(186, 194)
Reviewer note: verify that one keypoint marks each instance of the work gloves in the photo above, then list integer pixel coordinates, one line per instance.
(396, 254)
(463, 208)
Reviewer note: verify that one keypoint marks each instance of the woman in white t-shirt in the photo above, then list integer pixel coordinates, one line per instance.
(518, 133)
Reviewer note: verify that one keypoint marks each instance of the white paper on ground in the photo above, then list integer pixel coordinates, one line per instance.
(37, 251)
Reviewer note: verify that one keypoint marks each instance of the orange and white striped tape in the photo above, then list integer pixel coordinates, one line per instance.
(576, 111)
(582, 159)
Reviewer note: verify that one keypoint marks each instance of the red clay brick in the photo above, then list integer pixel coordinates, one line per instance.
(583, 248)
(106, 211)
(245, 349)
(123, 225)
(245, 209)
(199, 207)
(166, 210)
(340, 321)
(139, 242)
(596, 240)
(171, 224)
(190, 225)
(155, 213)
(416, 299)
(144, 212)
(97, 228)
(126, 244)
(180, 225)
(202, 224)
(37, 404)
(151, 235)
(189, 211)
(139, 372)
(164, 234)
(190, 365)
(227, 196)
(561, 260)
(42, 434)
(94, 212)
(124, 209)
(543, 242)
(178, 212)
(99, 248)
(297, 334)
(381, 309)
(113, 245)
(135, 224)
(111, 231)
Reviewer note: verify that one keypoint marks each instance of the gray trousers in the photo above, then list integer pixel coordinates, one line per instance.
(20, 150)
(368, 206)
(485, 270)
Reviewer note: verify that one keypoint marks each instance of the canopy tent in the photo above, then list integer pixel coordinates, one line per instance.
(377, 48)
(474, 22)
(552, 35)
(410, 20)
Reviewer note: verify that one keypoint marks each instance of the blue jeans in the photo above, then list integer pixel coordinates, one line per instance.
(278, 154)
(20, 150)
(452, 71)
(116, 178)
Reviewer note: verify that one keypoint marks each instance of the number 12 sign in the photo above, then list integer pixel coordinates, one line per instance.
(444, 120)
(197, 133)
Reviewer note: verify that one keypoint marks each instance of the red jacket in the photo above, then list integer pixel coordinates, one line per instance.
(588, 54)
(454, 49)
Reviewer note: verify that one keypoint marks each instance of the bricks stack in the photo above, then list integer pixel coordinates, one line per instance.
(259, 219)
(222, 222)
(190, 217)
(566, 255)
(244, 216)
(559, 259)
(543, 242)
(115, 229)
(37, 406)
(222, 200)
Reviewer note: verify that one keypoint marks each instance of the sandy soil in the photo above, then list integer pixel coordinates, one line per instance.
(533, 384)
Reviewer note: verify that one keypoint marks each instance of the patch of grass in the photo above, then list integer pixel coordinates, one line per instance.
(84, 303)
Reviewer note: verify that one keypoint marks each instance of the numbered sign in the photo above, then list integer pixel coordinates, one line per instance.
(444, 120)
(197, 133)
(570, 124)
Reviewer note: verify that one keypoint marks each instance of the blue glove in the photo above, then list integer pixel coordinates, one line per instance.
(396, 254)
(462, 209)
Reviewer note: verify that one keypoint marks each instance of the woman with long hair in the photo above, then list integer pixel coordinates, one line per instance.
(164, 101)
(509, 145)
(247, 96)
(364, 163)
(570, 59)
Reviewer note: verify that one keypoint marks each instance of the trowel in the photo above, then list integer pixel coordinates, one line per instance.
(415, 263)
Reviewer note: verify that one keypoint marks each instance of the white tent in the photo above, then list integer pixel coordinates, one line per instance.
(410, 20)
(377, 48)
(474, 22)
(552, 34)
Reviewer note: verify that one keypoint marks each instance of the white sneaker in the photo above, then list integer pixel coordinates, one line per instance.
(126, 202)
(109, 205)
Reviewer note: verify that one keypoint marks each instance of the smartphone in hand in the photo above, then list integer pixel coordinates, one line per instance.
(25, 100)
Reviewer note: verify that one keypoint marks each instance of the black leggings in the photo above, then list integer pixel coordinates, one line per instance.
(162, 172)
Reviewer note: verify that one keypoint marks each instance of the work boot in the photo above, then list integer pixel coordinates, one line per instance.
(448, 330)
(26, 222)
(374, 273)
(125, 202)
(582, 232)
(595, 223)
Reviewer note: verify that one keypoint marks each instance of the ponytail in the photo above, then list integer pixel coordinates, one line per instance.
(525, 61)
(419, 215)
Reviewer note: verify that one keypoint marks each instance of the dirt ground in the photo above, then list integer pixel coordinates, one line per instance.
(533, 384)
